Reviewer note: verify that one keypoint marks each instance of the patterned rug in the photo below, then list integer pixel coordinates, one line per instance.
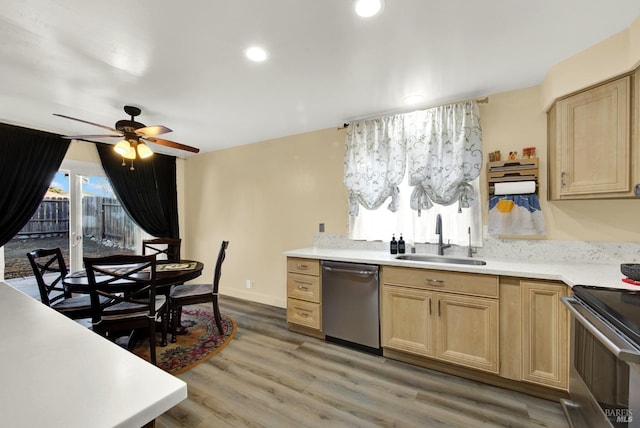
(201, 342)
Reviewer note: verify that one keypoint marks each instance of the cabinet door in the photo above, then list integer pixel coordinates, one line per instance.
(590, 143)
(467, 331)
(407, 319)
(545, 328)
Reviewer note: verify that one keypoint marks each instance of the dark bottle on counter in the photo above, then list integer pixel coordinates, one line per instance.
(401, 245)
(394, 245)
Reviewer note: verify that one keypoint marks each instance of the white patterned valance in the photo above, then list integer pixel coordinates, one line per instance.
(374, 165)
(441, 147)
(444, 152)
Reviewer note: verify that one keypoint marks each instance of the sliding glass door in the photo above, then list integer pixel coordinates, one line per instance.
(81, 215)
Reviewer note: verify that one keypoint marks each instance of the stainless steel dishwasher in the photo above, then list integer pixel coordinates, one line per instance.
(351, 305)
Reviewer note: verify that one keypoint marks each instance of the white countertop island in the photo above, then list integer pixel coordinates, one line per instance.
(603, 275)
(57, 373)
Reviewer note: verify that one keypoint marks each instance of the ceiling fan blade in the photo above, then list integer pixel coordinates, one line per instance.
(152, 131)
(172, 144)
(80, 137)
(87, 122)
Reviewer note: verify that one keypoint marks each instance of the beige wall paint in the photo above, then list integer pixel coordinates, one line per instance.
(264, 198)
(513, 120)
(613, 56)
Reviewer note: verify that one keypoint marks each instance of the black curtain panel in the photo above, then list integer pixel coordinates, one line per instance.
(29, 160)
(148, 193)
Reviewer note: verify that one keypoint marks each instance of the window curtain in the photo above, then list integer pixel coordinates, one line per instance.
(375, 159)
(29, 160)
(441, 150)
(444, 151)
(148, 193)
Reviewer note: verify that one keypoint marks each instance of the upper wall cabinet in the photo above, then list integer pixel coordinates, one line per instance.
(591, 142)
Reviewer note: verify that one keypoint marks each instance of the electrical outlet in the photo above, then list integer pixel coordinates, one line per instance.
(249, 283)
(321, 227)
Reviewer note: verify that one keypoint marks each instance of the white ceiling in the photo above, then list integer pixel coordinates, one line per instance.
(183, 63)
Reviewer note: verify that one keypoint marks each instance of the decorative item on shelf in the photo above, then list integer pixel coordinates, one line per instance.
(495, 156)
(529, 153)
(513, 155)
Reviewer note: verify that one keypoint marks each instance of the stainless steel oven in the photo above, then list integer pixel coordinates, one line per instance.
(604, 384)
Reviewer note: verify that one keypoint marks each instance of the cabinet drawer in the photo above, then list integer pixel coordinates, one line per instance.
(303, 313)
(306, 266)
(455, 282)
(304, 287)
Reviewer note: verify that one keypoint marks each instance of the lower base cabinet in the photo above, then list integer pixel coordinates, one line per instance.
(521, 334)
(454, 328)
(545, 334)
(514, 328)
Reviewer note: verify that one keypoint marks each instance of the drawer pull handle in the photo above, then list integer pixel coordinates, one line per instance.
(435, 281)
(302, 287)
(302, 267)
(302, 312)
(297, 281)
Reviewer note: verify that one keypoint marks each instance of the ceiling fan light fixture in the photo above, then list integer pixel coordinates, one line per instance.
(368, 8)
(123, 148)
(144, 151)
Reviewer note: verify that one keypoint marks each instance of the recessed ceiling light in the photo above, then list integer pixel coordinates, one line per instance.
(256, 53)
(368, 8)
(413, 99)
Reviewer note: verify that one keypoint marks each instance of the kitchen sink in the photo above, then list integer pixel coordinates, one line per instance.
(440, 259)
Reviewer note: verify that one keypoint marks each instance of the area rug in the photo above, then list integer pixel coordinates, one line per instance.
(201, 342)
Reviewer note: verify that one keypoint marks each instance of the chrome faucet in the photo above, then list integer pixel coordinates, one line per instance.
(441, 246)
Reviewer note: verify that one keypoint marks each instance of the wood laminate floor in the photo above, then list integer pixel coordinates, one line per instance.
(271, 377)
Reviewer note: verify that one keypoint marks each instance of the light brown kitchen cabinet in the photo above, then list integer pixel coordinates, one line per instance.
(467, 331)
(545, 334)
(590, 144)
(449, 316)
(304, 293)
(407, 322)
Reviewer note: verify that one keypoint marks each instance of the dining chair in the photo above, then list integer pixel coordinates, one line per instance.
(191, 294)
(129, 282)
(49, 269)
(170, 247)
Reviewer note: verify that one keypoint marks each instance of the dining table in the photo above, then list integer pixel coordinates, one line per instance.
(168, 273)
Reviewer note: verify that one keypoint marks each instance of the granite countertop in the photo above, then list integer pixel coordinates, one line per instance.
(603, 275)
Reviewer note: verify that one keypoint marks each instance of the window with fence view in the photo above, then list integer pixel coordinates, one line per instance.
(106, 229)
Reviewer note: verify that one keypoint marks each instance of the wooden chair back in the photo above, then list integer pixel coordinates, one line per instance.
(170, 247)
(222, 254)
(126, 281)
(49, 269)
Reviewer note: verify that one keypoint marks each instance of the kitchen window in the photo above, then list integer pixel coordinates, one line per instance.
(380, 224)
(425, 163)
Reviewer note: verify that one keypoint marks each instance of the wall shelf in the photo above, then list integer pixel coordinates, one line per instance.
(511, 170)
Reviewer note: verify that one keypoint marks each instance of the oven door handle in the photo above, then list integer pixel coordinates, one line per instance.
(604, 333)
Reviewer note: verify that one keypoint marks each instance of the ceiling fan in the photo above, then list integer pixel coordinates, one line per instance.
(133, 135)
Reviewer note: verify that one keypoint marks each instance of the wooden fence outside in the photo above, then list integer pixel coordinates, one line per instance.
(102, 219)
